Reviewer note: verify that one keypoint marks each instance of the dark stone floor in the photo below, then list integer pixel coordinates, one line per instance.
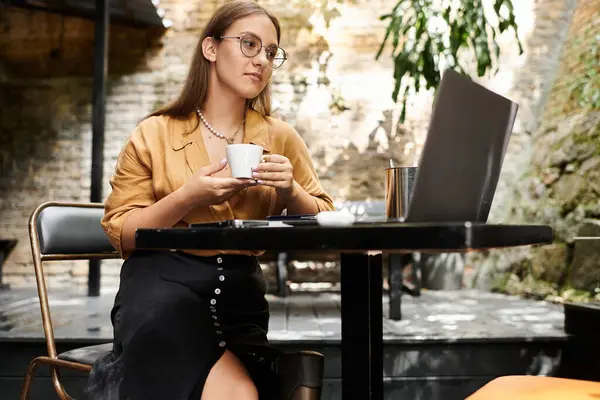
(435, 315)
(447, 345)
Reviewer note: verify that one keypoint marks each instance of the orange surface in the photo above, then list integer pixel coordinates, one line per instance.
(537, 388)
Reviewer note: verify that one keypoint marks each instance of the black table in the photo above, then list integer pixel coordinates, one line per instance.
(361, 270)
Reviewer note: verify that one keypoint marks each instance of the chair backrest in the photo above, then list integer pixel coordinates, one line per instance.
(71, 230)
(65, 231)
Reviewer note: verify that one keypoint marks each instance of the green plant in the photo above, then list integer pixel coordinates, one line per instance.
(428, 35)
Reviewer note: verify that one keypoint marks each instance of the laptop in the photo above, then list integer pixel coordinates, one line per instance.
(460, 164)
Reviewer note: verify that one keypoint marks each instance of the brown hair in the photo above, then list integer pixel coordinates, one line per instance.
(195, 88)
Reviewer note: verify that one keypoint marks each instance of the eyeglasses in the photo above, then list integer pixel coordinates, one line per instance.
(251, 46)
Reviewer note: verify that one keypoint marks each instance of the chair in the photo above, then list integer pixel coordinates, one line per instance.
(72, 231)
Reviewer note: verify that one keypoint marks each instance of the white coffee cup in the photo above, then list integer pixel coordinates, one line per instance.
(242, 158)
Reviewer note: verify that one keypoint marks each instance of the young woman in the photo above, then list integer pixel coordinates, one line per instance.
(193, 324)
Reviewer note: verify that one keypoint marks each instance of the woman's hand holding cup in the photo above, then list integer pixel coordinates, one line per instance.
(276, 171)
(203, 189)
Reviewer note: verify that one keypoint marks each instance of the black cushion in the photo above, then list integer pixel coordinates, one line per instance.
(86, 355)
(72, 230)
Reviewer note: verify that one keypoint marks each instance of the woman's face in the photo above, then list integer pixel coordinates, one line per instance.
(245, 74)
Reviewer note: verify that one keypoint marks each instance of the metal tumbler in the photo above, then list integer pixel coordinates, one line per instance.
(399, 183)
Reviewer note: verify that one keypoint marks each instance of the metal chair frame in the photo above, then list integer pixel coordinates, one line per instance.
(38, 258)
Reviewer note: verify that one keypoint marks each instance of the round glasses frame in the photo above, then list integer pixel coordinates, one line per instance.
(277, 60)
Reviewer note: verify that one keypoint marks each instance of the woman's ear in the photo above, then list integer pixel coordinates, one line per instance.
(209, 49)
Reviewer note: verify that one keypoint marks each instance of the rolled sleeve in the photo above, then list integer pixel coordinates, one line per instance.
(132, 188)
(304, 171)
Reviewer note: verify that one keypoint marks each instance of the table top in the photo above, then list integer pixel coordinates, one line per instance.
(424, 237)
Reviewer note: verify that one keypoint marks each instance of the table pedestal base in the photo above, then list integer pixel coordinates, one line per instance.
(362, 326)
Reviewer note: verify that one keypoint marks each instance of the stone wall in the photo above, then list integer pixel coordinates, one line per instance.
(332, 90)
(560, 187)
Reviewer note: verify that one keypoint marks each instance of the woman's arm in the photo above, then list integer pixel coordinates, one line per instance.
(132, 203)
(299, 201)
(165, 213)
(294, 177)
(202, 189)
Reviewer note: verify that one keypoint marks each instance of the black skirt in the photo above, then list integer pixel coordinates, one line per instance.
(173, 317)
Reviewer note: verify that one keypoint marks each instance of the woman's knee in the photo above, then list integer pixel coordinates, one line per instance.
(230, 388)
(229, 379)
(242, 390)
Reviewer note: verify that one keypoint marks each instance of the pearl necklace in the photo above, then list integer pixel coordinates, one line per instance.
(219, 134)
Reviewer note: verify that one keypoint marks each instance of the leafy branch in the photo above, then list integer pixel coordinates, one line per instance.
(427, 36)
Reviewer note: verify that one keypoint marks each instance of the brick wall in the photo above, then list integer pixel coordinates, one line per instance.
(45, 96)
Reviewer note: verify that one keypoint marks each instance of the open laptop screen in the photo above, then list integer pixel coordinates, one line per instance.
(469, 131)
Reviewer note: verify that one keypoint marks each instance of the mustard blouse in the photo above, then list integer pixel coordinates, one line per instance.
(163, 152)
